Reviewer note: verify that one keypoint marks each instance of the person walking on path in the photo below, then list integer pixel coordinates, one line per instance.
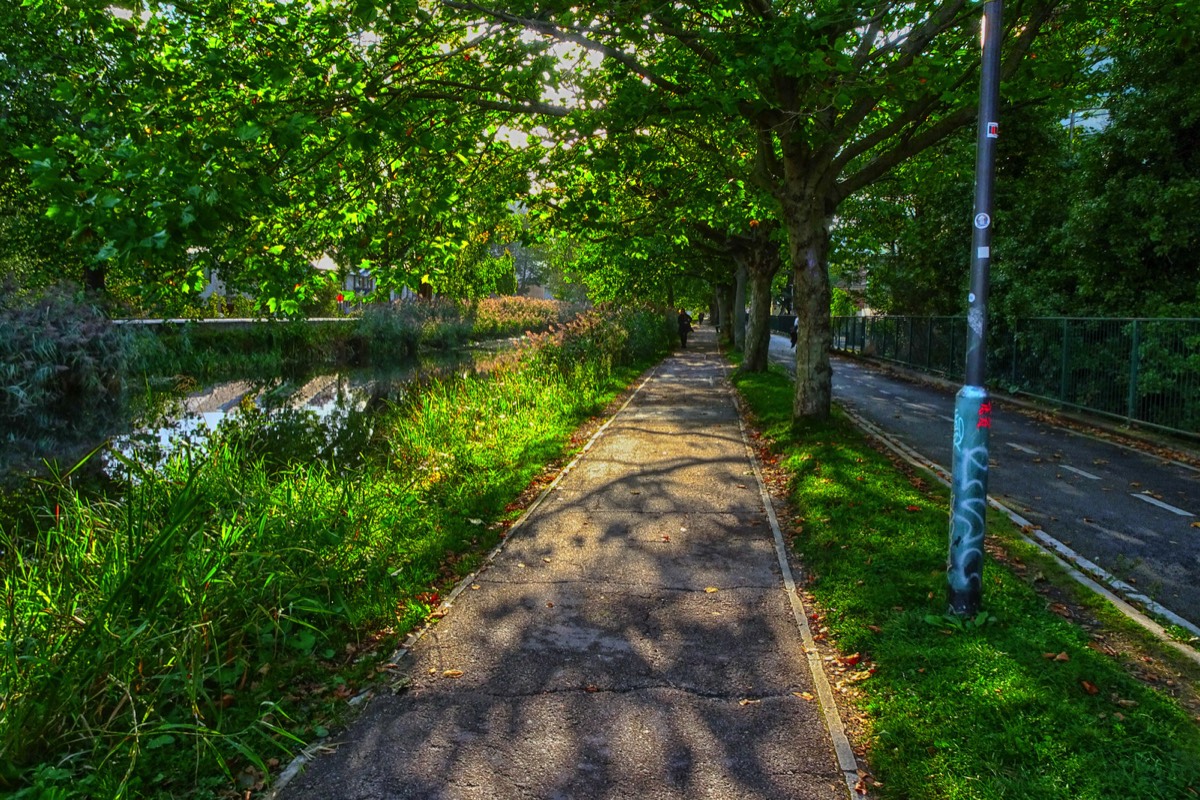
(685, 327)
(633, 638)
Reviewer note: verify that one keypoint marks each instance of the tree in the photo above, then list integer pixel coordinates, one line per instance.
(1098, 221)
(836, 94)
(1136, 223)
(259, 136)
(671, 199)
(34, 250)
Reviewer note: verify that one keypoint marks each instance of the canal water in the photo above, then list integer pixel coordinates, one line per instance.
(323, 403)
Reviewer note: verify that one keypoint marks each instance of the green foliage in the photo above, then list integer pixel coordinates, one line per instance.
(1086, 223)
(842, 304)
(63, 367)
(1135, 223)
(499, 317)
(398, 329)
(971, 708)
(183, 136)
(207, 350)
(182, 624)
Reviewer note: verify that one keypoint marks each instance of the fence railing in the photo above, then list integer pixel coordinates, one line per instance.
(1145, 371)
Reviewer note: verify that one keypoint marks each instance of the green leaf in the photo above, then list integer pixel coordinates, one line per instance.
(162, 740)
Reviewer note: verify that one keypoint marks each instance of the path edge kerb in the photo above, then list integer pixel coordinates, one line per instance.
(846, 760)
(304, 756)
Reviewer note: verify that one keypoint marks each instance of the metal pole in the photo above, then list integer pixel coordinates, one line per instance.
(1135, 348)
(972, 407)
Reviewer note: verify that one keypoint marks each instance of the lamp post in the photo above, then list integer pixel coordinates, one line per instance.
(972, 406)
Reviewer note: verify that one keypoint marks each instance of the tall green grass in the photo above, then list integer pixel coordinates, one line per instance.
(163, 633)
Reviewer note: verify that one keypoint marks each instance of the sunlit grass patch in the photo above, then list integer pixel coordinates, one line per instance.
(1021, 705)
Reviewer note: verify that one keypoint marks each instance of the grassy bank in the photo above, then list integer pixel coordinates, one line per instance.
(378, 334)
(1025, 702)
(69, 377)
(182, 632)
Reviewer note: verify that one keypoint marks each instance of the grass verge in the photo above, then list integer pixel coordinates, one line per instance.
(1023, 702)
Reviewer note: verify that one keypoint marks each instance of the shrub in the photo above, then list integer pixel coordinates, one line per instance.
(497, 317)
(402, 327)
(62, 365)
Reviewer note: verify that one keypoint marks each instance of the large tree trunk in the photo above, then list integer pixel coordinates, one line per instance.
(761, 264)
(739, 308)
(725, 307)
(808, 244)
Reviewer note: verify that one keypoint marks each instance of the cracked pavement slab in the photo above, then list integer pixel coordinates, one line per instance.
(631, 640)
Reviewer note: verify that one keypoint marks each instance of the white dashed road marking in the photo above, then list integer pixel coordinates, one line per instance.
(1154, 501)
(1087, 475)
(1022, 448)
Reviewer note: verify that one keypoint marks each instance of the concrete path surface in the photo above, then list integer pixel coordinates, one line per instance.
(633, 639)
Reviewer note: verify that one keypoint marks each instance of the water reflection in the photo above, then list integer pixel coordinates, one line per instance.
(325, 416)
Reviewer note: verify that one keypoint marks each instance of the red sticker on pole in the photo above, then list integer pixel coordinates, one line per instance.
(993, 130)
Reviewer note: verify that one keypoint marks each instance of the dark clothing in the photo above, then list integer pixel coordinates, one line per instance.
(685, 327)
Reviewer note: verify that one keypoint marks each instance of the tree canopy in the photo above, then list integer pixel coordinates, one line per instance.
(658, 147)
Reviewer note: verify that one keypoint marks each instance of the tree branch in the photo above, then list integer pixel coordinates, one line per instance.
(567, 35)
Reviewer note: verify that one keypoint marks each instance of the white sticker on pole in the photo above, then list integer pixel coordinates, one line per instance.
(982, 221)
(983, 252)
(993, 130)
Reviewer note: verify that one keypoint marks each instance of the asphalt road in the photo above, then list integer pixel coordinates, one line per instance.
(1127, 511)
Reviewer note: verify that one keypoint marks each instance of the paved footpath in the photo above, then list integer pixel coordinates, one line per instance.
(633, 639)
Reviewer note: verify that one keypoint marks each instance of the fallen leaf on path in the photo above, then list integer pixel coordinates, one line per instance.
(804, 696)
(748, 702)
(452, 673)
(852, 660)
(711, 589)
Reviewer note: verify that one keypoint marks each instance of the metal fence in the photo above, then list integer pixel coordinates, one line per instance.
(1145, 371)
